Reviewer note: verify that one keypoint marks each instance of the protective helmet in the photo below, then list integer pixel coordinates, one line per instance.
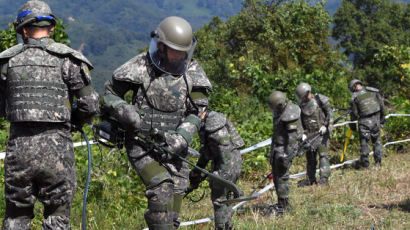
(353, 83)
(277, 101)
(172, 45)
(36, 13)
(302, 90)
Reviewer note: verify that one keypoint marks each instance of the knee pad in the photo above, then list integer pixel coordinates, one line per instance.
(323, 151)
(282, 164)
(159, 214)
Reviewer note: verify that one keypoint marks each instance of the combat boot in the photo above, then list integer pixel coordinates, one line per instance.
(323, 181)
(278, 209)
(378, 162)
(306, 182)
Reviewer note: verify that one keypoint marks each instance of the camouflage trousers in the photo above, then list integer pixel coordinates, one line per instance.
(230, 169)
(281, 163)
(320, 147)
(165, 184)
(369, 129)
(39, 165)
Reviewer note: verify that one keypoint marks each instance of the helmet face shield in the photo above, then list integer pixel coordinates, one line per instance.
(170, 60)
(302, 92)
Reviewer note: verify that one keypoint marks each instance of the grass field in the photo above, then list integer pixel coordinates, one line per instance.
(355, 199)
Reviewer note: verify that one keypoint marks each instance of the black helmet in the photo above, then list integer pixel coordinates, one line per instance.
(36, 13)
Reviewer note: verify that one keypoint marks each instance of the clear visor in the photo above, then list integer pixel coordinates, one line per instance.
(304, 98)
(169, 60)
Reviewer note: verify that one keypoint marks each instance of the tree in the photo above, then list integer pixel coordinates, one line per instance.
(365, 28)
(270, 45)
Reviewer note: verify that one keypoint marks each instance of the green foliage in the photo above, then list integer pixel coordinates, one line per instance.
(59, 34)
(375, 34)
(268, 45)
(8, 38)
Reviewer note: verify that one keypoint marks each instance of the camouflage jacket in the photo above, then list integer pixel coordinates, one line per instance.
(287, 129)
(39, 80)
(316, 112)
(161, 101)
(365, 102)
(219, 139)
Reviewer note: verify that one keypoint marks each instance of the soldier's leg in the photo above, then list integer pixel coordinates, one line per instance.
(311, 163)
(20, 193)
(364, 135)
(281, 177)
(56, 178)
(229, 169)
(377, 146)
(159, 188)
(180, 174)
(324, 164)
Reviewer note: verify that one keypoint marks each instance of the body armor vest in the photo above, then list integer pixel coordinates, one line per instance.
(367, 103)
(291, 113)
(162, 102)
(312, 115)
(36, 91)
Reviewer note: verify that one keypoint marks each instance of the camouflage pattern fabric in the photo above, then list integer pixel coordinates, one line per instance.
(39, 162)
(164, 103)
(364, 100)
(221, 142)
(369, 129)
(315, 113)
(287, 133)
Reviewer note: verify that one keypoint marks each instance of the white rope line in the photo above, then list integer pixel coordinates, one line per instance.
(243, 151)
(294, 176)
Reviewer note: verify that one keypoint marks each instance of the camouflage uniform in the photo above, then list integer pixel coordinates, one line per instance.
(168, 103)
(288, 130)
(39, 80)
(220, 141)
(317, 112)
(367, 106)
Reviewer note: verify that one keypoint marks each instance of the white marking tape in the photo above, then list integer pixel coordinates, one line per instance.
(294, 176)
(243, 151)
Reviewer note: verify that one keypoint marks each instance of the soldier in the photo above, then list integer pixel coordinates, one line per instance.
(288, 131)
(317, 118)
(39, 80)
(169, 96)
(220, 143)
(368, 107)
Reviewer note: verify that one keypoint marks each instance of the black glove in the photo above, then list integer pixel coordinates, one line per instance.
(195, 179)
(353, 127)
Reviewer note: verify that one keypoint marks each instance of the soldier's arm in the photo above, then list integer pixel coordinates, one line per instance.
(3, 74)
(294, 136)
(382, 109)
(218, 137)
(327, 108)
(78, 79)
(197, 105)
(354, 114)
